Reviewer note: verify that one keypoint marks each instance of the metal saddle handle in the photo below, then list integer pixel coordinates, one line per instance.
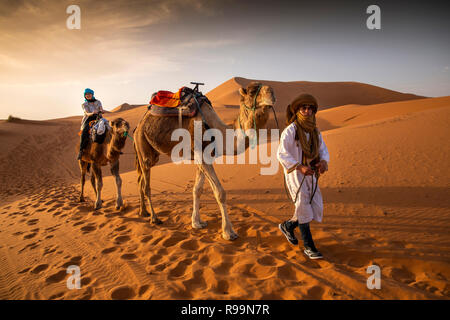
(197, 84)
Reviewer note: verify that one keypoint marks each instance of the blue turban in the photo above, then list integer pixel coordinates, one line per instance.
(87, 90)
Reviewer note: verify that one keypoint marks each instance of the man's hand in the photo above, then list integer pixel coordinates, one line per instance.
(305, 170)
(322, 166)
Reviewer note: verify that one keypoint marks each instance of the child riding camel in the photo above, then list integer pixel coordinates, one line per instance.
(92, 108)
(303, 155)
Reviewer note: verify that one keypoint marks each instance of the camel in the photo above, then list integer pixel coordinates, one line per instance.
(153, 137)
(99, 155)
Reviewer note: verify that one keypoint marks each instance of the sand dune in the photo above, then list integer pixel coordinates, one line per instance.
(328, 94)
(125, 107)
(386, 203)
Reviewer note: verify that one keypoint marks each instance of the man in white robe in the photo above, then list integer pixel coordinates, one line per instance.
(296, 166)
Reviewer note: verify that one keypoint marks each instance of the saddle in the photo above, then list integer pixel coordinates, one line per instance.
(97, 130)
(181, 103)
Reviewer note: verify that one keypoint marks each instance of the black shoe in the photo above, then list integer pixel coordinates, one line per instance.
(288, 232)
(312, 253)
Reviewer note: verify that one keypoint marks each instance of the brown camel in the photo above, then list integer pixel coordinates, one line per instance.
(99, 155)
(153, 137)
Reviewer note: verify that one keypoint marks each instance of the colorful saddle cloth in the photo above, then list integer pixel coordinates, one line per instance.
(167, 98)
(169, 104)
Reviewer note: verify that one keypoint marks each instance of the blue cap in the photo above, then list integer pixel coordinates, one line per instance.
(87, 90)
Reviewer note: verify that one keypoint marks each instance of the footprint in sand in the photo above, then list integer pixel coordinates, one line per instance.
(24, 271)
(73, 261)
(109, 250)
(128, 256)
(121, 239)
(49, 250)
(32, 222)
(122, 293)
(155, 259)
(56, 296)
(315, 293)
(88, 228)
(49, 202)
(39, 268)
(31, 246)
(189, 245)
(121, 228)
(143, 289)
(173, 240)
(179, 269)
(30, 235)
(267, 261)
(146, 239)
(56, 277)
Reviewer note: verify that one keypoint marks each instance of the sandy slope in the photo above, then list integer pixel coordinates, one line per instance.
(328, 94)
(386, 203)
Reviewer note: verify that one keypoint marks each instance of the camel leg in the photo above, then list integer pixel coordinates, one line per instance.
(143, 210)
(98, 176)
(197, 223)
(148, 193)
(93, 183)
(141, 169)
(220, 195)
(115, 173)
(83, 169)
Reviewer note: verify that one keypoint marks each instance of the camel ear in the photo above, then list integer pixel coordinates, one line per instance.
(112, 123)
(243, 92)
(289, 115)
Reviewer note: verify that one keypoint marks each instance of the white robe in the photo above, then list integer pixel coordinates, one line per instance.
(289, 154)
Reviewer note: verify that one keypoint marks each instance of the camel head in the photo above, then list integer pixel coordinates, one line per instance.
(119, 133)
(256, 102)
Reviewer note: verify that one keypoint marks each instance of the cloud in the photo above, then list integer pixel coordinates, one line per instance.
(114, 38)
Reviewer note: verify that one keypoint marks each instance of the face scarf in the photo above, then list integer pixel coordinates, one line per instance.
(310, 147)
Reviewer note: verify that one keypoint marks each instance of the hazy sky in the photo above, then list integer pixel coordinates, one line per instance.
(125, 50)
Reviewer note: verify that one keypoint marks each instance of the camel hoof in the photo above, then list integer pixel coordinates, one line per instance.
(229, 236)
(199, 225)
(144, 214)
(156, 221)
(81, 199)
(98, 205)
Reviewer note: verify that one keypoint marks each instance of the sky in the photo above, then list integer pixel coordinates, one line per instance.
(126, 50)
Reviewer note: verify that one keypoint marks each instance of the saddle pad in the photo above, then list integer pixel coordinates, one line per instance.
(167, 98)
(159, 111)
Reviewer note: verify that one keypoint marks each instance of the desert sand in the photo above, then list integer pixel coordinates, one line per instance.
(386, 202)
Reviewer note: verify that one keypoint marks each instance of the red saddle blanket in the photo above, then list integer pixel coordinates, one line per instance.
(167, 103)
(167, 98)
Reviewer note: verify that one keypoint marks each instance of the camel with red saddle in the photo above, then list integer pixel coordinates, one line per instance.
(153, 137)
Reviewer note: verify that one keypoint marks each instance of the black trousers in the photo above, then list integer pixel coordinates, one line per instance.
(306, 236)
(84, 139)
(308, 241)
